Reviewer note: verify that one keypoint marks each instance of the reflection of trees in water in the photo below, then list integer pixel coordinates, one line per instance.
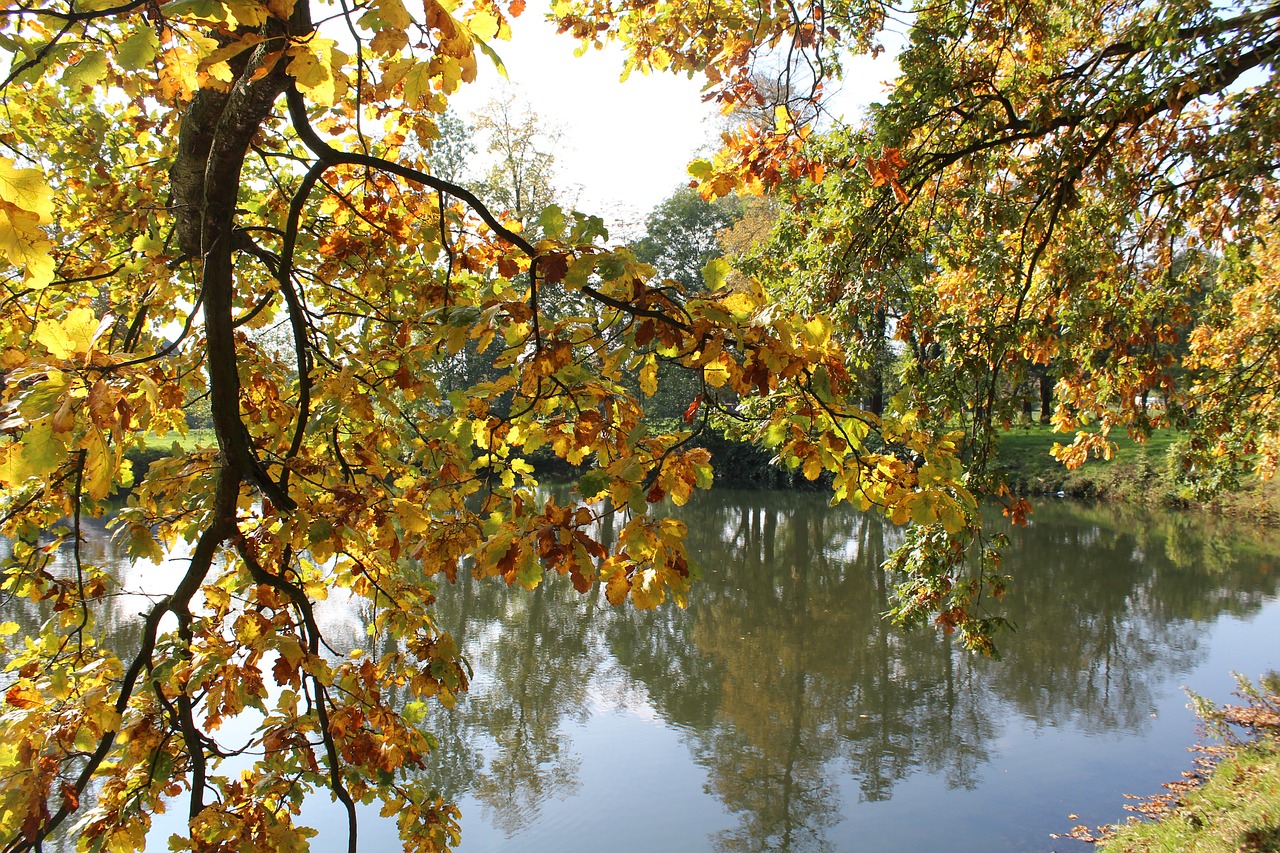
(783, 675)
(1107, 600)
(534, 656)
(767, 753)
(797, 676)
(117, 624)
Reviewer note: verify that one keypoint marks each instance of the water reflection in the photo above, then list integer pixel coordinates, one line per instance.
(794, 701)
(784, 679)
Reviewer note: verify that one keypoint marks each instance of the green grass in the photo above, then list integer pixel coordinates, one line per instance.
(195, 438)
(1037, 439)
(1236, 811)
(1135, 468)
(158, 447)
(1138, 473)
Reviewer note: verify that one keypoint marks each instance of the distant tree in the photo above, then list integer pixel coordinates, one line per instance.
(683, 233)
(520, 150)
(681, 237)
(451, 153)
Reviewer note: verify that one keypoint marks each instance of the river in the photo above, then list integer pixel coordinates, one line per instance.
(779, 711)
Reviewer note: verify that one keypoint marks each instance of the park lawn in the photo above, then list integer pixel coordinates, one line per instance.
(1036, 440)
(1137, 473)
(1024, 456)
(193, 440)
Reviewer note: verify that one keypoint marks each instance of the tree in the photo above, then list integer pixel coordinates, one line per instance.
(178, 178)
(521, 178)
(681, 239)
(1034, 179)
(682, 236)
(451, 150)
(1025, 199)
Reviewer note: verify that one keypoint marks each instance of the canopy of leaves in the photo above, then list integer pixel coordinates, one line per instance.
(1055, 185)
(249, 203)
(243, 202)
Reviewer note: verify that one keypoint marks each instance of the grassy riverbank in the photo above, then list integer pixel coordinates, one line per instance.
(1139, 473)
(1237, 808)
(1236, 811)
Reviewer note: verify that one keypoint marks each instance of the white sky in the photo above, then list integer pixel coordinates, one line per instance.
(624, 146)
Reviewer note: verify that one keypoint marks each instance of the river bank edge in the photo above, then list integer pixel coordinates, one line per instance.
(1232, 804)
(1141, 474)
(1138, 474)
(1146, 474)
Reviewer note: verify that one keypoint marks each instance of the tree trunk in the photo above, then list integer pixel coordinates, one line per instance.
(1046, 396)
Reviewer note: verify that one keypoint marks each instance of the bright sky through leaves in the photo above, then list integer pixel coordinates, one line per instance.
(626, 146)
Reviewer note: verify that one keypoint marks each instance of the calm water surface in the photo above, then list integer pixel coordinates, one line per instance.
(780, 712)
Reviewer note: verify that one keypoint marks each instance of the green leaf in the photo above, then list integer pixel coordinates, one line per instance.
(138, 51)
(552, 222)
(493, 57)
(210, 9)
(700, 169)
(822, 383)
(592, 484)
(715, 272)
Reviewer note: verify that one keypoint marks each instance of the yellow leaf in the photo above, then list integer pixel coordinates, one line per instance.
(26, 190)
(740, 305)
(923, 510)
(951, 516)
(649, 376)
(69, 337)
(222, 54)
(647, 589)
(812, 467)
(411, 516)
(25, 204)
(64, 420)
(87, 72)
(248, 13)
(483, 24)
(99, 465)
(311, 68)
(417, 82)
(143, 546)
(394, 14)
(715, 272)
(38, 453)
(818, 331)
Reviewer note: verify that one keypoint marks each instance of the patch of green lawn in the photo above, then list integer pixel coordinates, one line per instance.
(1034, 441)
(194, 439)
(1236, 811)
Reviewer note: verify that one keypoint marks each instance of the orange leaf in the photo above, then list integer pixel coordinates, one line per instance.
(690, 412)
(70, 797)
(23, 697)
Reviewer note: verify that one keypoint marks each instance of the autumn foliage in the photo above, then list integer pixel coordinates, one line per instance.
(231, 201)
